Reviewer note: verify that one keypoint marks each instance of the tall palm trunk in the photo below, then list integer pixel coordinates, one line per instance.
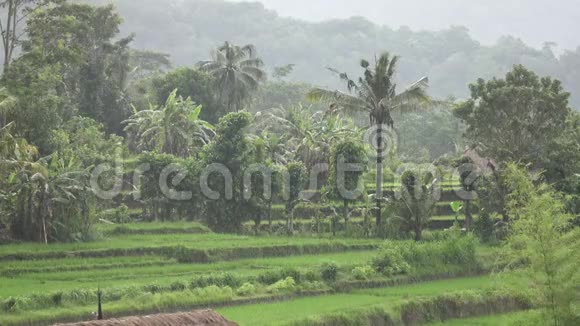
(345, 215)
(379, 185)
(270, 217)
(468, 215)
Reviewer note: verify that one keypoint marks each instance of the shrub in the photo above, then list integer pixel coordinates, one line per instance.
(223, 279)
(293, 273)
(390, 261)
(285, 285)
(177, 286)
(437, 235)
(459, 251)
(363, 273)
(273, 276)
(483, 227)
(9, 304)
(153, 288)
(213, 293)
(399, 257)
(313, 286)
(269, 277)
(246, 289)
(329, 272)
(311, 276)
(462, 305)
(56, 298)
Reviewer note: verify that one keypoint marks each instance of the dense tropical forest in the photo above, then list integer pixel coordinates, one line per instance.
(168, 156)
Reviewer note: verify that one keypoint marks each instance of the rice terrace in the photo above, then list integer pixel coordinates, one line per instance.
(212, 162)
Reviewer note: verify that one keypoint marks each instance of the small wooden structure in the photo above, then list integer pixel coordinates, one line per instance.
(194, 318)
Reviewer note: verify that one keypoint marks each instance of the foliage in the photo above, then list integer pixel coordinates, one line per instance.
(308, 137)
(462, 304)
(175, 128)
(116, 215)
(484, 228)
(363, 273)
(375, 94)
(50, 200)
(437, 131)
(348, 162)
(232, 149)
(161, 202)
(416, 200)
(285, 285)
(273, 276)
(390, 262)
(75, 42)
(237, 72)
(329, 271)
(295, 183)
(278, 93)
(247, 289)
(398, 257)
(539, 235)
(515, 119)
(87, 139)
(452, 57)
(189, 83)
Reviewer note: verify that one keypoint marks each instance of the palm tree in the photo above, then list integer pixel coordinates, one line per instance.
(375, 94)
(309, 136)
(237, 72)
(175, 128)
(275, 147)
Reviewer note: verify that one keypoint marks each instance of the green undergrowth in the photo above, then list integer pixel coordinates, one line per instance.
(521, 318)
(152, 228)
(388, 306)
(28, 284)
(269, 282)
(186, 247)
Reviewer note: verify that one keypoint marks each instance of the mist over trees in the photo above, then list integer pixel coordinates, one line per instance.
(451, 58)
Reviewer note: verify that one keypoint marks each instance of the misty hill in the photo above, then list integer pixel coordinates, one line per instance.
(451, 58)
(487, 20)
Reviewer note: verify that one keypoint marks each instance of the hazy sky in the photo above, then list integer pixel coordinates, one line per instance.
(535, 21)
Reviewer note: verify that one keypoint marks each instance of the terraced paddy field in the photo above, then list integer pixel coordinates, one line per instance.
(149, 268)
(516, 318)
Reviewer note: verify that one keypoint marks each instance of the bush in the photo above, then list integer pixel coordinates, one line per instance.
(329, 272)
(9, 304)
(271, 277)
(483, 227)
(462, 305)
(390, 261)
(313, 286)
(311, 276)
(437, 235)
(363, 273)
(177, 286)
(214, 293)
(400, 257)
(459, 251)
(293, 273)
(285, 285)
(153, 288)
(223, 279)
(246, 289)
(56, 298)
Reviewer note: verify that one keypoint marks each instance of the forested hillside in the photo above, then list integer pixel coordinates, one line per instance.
(451, 58)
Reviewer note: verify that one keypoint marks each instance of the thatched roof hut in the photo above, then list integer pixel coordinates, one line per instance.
(197, 318)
